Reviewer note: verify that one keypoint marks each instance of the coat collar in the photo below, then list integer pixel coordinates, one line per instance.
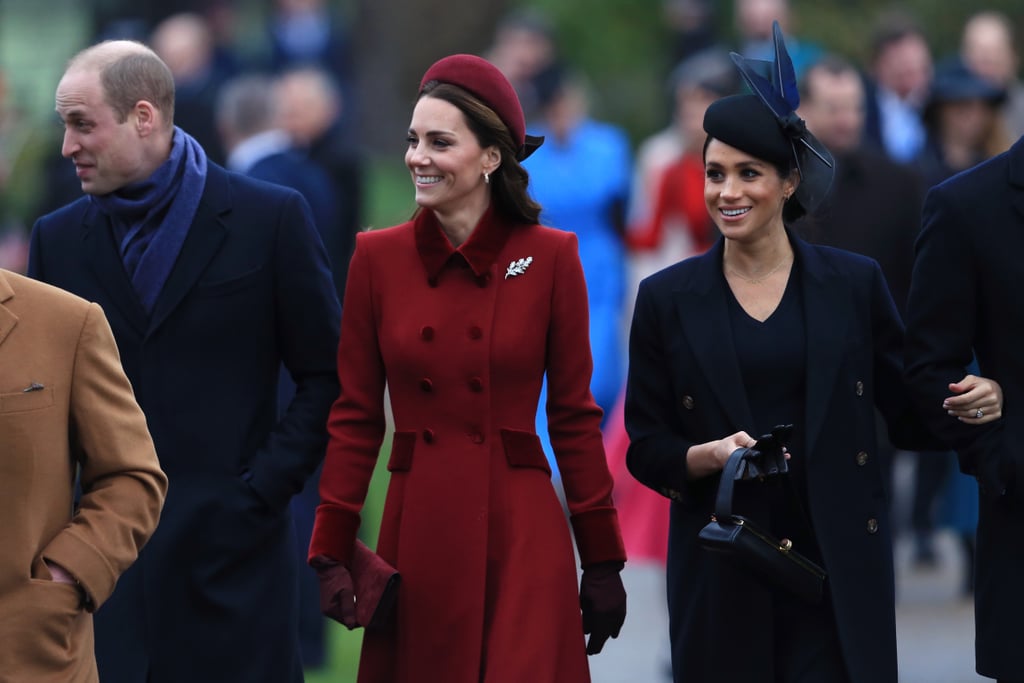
(204, 237)
(827, 309)
(7, 318)
(480, 250)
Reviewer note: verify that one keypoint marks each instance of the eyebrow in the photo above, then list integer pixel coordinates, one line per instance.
(433, 133)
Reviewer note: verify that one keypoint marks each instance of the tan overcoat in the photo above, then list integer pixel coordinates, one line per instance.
(65, 406)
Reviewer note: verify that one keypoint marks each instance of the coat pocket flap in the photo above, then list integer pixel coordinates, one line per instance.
(523, 449)
(402, 446)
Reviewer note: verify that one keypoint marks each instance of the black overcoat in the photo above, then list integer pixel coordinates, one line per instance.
(964, 299)
(685, 388)
(213, 597)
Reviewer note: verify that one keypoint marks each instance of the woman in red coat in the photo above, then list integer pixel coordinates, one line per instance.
(460, 312)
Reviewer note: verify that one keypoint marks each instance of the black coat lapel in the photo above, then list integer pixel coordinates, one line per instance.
(704, 311)
(105, 259)
(827, 312)
(204, 239)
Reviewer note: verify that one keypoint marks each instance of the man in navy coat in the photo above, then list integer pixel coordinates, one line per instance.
(964, 303)
(211, 281)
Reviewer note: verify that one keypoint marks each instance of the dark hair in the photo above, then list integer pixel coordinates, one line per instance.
(509, 181)
(138, 76)
(792, 210)
(893, 26)
(830, 64)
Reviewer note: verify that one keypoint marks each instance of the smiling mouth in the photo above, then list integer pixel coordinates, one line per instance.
(732, 213)
(428, 179)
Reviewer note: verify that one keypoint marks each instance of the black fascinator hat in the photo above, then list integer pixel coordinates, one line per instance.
(765, 124)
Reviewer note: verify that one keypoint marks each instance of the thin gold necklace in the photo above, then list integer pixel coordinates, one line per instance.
(758, 280)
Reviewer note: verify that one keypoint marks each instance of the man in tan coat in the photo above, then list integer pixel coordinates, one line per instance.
(66, 408)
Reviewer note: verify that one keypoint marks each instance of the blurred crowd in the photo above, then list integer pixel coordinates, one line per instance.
(897, 124)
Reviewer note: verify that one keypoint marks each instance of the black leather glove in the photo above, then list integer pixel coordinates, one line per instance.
(603, 601)
(337, 595)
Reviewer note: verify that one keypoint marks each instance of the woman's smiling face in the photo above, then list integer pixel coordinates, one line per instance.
(744, 195)
(445, 158)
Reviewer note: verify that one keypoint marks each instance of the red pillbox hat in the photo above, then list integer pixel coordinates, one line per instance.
(486, 82)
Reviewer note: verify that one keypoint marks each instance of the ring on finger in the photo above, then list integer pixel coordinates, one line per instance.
(980, 413)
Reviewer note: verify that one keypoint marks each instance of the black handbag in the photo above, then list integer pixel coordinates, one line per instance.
(740, 541)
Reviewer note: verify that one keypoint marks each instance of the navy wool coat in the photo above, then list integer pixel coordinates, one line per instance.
(965, 302)
(685, 388)
(213, 598)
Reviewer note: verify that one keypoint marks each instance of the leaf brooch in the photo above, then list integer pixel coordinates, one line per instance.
(518, 267)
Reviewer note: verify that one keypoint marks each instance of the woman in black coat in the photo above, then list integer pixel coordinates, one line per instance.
(764, 330)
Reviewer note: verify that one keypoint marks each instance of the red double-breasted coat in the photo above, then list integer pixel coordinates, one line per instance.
(462, 338)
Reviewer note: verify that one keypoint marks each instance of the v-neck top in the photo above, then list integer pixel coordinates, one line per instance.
(772, 357)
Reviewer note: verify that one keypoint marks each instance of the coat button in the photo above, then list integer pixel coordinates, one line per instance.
(688, 402)
(475, 332)
(872, 526)
(858, 388)
(475, 437)
(428, 435)
(862, 458)
(476, 384)
(426, 385)
(427, 333)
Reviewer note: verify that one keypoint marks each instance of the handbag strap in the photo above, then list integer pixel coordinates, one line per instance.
(723, 501)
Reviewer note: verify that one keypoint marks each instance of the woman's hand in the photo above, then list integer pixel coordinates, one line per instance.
(708, 458)
(976, 400)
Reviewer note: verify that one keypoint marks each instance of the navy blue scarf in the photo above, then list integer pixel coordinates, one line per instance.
(151, 218)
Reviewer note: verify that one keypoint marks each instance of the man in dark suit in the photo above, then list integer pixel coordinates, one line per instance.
(211, 281)
(310, 109)
(963, 304)
(874, 205)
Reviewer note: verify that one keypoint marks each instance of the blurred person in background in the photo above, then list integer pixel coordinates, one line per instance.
(691, 24)
(461, 312)
(754, 20)
(987, 47)
(309, 107)
(523, 48)
(900, 73)
(962, 120)
(874, 205)
(247, 117)
(667, 221)
(678, 224)
(185, 43)
(312, 33)
(581, 178)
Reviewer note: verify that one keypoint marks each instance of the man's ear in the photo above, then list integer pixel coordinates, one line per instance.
(146, 117)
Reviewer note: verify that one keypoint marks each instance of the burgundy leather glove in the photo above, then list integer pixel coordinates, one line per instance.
(603, 601)
(337, 596)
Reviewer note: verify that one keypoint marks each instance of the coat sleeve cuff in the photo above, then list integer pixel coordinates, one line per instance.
(91, 569)
(334, 534)
(598, 538)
